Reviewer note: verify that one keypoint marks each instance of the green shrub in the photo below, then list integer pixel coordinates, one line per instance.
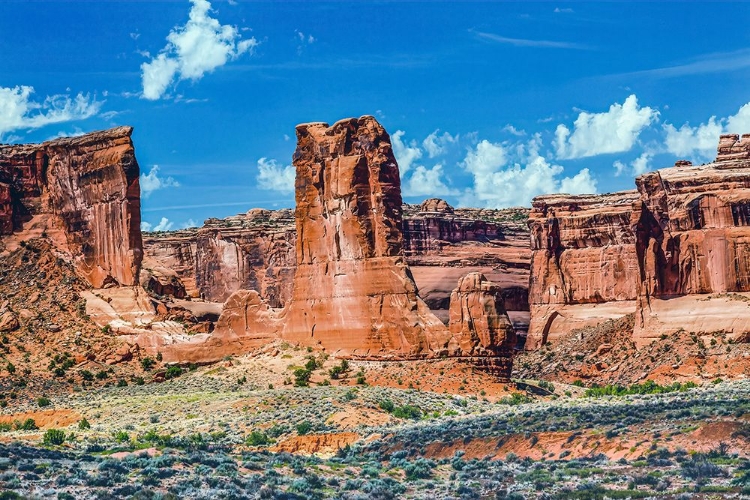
(11, 368)
(121, 382)
(648, 387)
(6, 427)
(53, 437)
(121, 436)
(387, 405)
(27, 425)
(173, 371)
(407, 411)
(304, 428)
(515, 399)
(87, 375)
(147, 363)
(43, 401)
(257, 438)
(84, 424)
(302, 377)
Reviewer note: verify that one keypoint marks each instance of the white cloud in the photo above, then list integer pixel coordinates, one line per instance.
(198, 47)
(486, 158)
(435, 144)
(151, 182)
(274, 177)
(640, 165)
(427, 182)
(613, 131)
(305, 39)
(163, 225)
(514, 131)
(701, 141)
(405, 154)
(525, 42)
(18, 111)
(188, 223)
(499, 183)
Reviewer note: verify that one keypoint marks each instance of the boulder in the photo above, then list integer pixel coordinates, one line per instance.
(8, 322)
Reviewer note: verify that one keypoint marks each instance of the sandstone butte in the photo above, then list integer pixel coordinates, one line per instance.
(84, 194)
(675, 252)
(353, 292)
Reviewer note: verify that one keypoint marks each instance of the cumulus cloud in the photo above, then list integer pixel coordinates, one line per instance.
(405, 154)
(275, 177)
(427, 182)
(499, 183)
(640, 165)
(151, 182)
(163, 225)
(19, 111)
(436, 144)
(192, 50)
(701, 141)
(613, 131)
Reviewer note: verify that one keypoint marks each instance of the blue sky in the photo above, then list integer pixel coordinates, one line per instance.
(488, 104)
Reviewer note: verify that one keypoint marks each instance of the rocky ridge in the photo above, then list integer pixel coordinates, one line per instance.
(674, 252)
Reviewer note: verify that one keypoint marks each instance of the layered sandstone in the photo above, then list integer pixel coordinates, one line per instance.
(583, 265)
(83, 192)
(691, 225)
(480, 326)
(443, 244)
(251, 251)
(255, 251)
(352, 287)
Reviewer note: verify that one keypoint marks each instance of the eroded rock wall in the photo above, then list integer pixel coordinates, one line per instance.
(691, 224)
(583, 264)
(84, 191)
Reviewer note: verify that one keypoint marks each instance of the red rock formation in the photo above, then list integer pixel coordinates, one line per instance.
(443, 244)
(352, 288)
(255, 251)
(86, 190)
(583, 256)
(691, 224)
(480, 326)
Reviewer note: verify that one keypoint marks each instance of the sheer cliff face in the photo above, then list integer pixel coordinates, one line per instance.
(691, 224)
(352, 288)
(583, 254)
(84, 190)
